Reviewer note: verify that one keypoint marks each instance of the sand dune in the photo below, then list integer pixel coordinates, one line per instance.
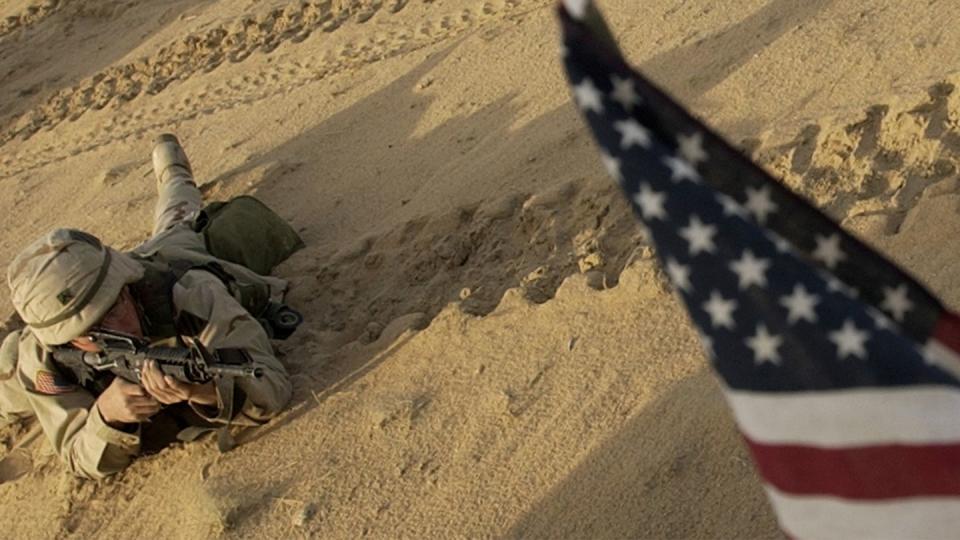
(490, 349)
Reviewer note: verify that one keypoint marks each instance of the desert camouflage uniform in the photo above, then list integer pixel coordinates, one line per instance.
(65, 411)
(13, 401)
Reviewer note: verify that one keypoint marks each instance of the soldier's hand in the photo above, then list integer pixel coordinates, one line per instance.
(169, 390)
(126, 403)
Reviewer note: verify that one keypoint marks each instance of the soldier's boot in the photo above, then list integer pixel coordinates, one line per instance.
(169, 159)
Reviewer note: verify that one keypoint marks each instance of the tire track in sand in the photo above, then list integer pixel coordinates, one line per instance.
(241, 90)
(194, 53)
(30, 16)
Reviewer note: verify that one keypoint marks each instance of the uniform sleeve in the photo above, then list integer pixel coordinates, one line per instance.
(69, 418)
(227, 325)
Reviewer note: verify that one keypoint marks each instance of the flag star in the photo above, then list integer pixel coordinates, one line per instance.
(782, 245)
(835, 285)
(576, 8)
(612, 165)
(720, 310)
(850, 341)
(707, 343)
(828, 250)
(895, 301)
(587, 96)
(631, 133)
(691, 147)
(679, 275)
(880, 320)
(800, 305)
(764, 346)
(759, 203)
(651, 202)
(731, 207)
(680, 169)
(750, 270)
(699, 235)
(624, 93)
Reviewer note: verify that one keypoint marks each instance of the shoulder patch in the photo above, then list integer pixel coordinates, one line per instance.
(51, 383)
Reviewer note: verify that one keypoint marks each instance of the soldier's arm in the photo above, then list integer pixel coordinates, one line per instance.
(227, 325)
(70, 419)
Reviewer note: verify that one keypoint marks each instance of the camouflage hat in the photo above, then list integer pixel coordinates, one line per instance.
(66, 281)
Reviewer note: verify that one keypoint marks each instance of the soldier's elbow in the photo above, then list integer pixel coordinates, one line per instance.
(94, 468)
(86, 471)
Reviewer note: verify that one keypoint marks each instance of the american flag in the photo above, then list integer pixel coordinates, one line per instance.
(51, 383)
(840, 369)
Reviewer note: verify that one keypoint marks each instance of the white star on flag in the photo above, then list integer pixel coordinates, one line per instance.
(679, 275)
(835, 285)
(624, 93)
(720, 310)
(828, 250)
(880, 320)
(759, 203)
(691, 148)
(780, 243)
(850, 341)
(707, 343)
(895, 301)
(750, 270)
(612, 165)
(680, 169)
(764, 346)
(632, 133)
(651, 202)
(699, 235)
(800, 305)
(588, 97)
(731, 207)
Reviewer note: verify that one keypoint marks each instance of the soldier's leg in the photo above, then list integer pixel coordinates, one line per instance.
(179, 199)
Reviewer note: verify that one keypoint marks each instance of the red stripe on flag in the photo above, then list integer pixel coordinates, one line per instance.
(871, 472)
(947, 331)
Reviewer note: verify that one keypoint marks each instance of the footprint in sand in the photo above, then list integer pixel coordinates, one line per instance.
(15, 465)
(887, 158)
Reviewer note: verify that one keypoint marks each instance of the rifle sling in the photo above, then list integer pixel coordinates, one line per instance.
(225, 390)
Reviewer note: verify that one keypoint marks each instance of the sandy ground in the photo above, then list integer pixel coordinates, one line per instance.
(490, 350)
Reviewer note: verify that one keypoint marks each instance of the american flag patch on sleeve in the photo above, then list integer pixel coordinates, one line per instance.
(50, 383)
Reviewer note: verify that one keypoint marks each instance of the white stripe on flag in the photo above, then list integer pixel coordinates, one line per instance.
(852, 417)
(830, 517)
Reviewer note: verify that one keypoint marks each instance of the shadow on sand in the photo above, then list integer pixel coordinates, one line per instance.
(678, 469)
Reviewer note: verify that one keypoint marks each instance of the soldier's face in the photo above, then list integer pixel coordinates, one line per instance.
(122, 317)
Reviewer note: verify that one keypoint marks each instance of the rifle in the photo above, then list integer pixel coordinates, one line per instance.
(125, 356)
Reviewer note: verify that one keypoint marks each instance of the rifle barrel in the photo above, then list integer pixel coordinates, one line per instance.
(235, 371)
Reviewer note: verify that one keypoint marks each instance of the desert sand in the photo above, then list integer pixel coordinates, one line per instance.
(490, 349)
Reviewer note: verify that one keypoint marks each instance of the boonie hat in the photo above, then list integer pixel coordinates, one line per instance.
(66, 281)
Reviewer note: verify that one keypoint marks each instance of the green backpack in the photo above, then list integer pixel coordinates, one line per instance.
(245, 231)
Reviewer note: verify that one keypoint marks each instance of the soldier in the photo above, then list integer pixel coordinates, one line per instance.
(67, 283)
